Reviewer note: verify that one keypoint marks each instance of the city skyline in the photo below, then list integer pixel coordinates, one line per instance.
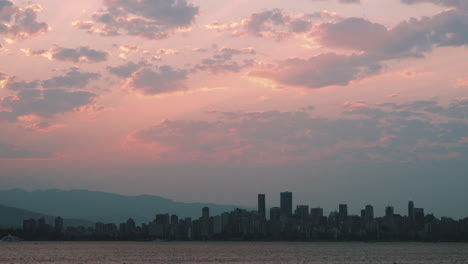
(304, 224)
(288, 206)
(211, 101)
(329, 206)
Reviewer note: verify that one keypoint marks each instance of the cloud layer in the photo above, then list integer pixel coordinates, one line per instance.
(20, 23)
(383, 133)
(150, 19)
(80, 54)
(59, 94)
(373, 45)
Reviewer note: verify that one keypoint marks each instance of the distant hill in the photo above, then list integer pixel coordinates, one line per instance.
(104, 207)
(13, 217)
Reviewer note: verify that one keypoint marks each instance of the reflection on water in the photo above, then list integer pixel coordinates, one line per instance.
(253, 253)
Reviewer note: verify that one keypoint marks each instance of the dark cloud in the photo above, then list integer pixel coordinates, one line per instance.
(151, 19)
(222, 61)
(461, 4)
(44, 103)
(376, 45)
(80, 54)
(410, 38)
(72, 79)
(126, 70)
(164, 80)
(9, 151)
(273, 23)
(7, 10)
(351, 33)
(260, 23)
(381, 136)
(320, 71)
(47, 98)
(379, 113)
(456, 109)
(14, 85)
(20, 23)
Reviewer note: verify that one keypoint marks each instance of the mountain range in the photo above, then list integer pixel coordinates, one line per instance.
(13, 218)
(102, 207)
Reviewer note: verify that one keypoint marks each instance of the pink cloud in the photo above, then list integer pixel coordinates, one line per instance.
(20, 23)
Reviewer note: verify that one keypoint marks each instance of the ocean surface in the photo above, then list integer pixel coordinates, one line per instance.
(253, 253)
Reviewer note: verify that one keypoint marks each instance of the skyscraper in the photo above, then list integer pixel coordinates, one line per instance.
(389, 211)
(316, 213)
(206, 212)
(302, 211)
(369, 213)
(174, 219)
(286, 204)
(275, 214)
(419, 216)
(58, 225)
(261, 206)
(411, 211)
(343, 213)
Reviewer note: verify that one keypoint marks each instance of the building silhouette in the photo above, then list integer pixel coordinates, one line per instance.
(389, 211)
(283, 225)
(286, 204)
(262, 206)
(411, 211)
(369, 213)
(343, 211)
(275, 214)
(302, 212)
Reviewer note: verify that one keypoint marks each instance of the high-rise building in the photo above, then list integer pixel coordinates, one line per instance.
(206, 212)
(419, 216)
(363, 213)
(286, 204)
(162, 219)
(42, 226)
(343, 212)
(302, 211)
(205, 223)
(29, 226)
(275, 214)
(262, 206)
(217, 225)
(389, 211)
(130, 226)
(316, 213)
(58, 225)
(411, 211)
(174, 219)
(369, 213)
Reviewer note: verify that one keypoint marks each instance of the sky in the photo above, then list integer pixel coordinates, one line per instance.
(339, 101)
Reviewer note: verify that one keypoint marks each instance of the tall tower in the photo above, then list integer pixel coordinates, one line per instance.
(389, 211)
(58, 225)
(343, 213)
(206, 213)
(261, 206)
(411, 211)
(286, 204)
(369, 213)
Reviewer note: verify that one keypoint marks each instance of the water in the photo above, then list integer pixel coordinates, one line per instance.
(245, 253)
